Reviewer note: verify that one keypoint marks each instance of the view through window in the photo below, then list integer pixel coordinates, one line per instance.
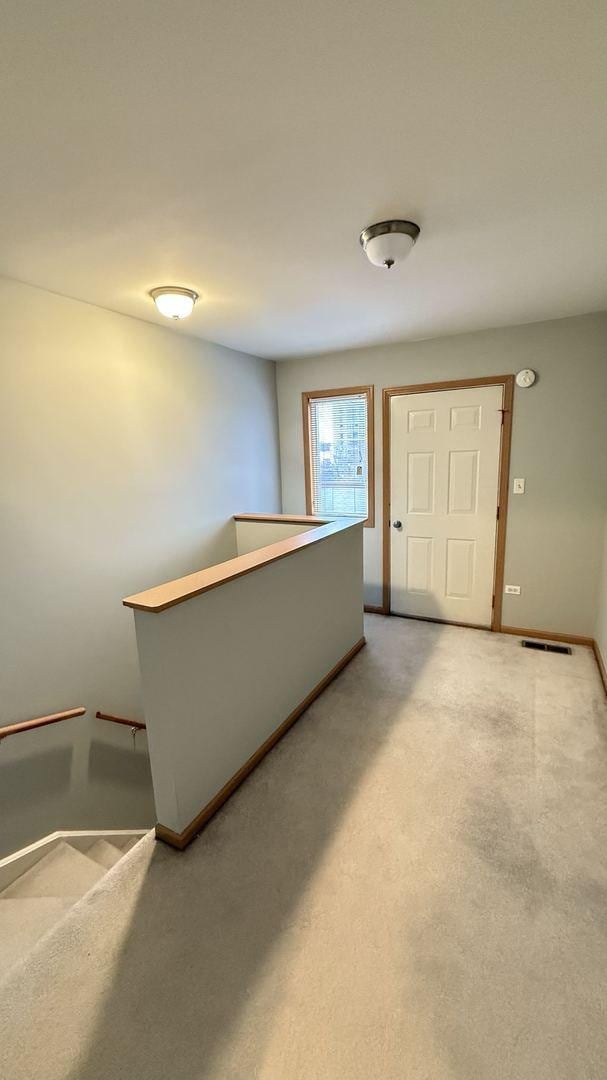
(338, 452)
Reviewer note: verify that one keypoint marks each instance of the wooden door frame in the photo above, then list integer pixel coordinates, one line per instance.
(507, 382)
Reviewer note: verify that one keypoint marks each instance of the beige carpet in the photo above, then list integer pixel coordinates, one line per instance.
(412, 886)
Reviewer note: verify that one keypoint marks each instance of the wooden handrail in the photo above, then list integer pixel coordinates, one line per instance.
(40, 721)
(69, 714)
(136, 724)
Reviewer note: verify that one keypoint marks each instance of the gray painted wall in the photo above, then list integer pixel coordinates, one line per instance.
(124, 450)
(554, 538)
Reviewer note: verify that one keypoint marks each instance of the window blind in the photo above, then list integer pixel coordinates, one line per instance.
(339, 452)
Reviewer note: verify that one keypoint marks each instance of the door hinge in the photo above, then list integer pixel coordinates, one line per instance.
(493, 601)
(497, 513)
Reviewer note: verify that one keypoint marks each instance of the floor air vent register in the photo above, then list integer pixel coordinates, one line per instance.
(545, 646)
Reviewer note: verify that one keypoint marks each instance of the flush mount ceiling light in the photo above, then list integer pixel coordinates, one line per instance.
(173, 301)
(389, 242)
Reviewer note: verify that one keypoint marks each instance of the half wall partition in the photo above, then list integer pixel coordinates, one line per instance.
(232, 655)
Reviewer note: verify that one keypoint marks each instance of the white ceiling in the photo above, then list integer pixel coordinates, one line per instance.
(239, 147)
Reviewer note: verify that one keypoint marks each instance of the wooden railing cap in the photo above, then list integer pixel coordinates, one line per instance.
(286, 519)
(175, 592)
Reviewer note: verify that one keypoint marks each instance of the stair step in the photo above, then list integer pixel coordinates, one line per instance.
(64, 872)
(23, 920)
(132, 840)
(104, 853)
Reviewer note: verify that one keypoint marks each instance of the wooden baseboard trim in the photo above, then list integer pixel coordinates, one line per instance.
(372, 609)
(600, 664)
(546, 635)
(182, 839)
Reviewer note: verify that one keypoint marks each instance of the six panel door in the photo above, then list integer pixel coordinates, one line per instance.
(445, 454)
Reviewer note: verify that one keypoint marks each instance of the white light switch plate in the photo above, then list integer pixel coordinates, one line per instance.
(518, 487)
(515, 590)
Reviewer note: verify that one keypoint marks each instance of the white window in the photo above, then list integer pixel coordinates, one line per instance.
(338, 447)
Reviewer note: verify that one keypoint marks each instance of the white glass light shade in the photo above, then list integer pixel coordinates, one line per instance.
(389, 249)
(389, 242)
(174, 302)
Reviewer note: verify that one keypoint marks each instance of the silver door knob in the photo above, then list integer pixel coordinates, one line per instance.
(397, 524)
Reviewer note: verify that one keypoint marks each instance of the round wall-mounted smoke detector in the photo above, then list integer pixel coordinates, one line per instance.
(388, 242)
(525, 378)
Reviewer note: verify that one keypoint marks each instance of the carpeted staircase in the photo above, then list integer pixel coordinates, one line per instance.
(39, 898)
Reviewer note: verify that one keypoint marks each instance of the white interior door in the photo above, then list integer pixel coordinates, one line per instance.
(445, 454)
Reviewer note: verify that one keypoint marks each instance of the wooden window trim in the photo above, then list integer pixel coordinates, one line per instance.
(310, 395)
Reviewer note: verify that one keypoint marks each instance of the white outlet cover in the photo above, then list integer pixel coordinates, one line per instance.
(513, 590)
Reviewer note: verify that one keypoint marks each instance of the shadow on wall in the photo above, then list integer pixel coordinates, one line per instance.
(119, 764)
(119, 789)
(31, 789)
(205, 921)
(94, 781)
